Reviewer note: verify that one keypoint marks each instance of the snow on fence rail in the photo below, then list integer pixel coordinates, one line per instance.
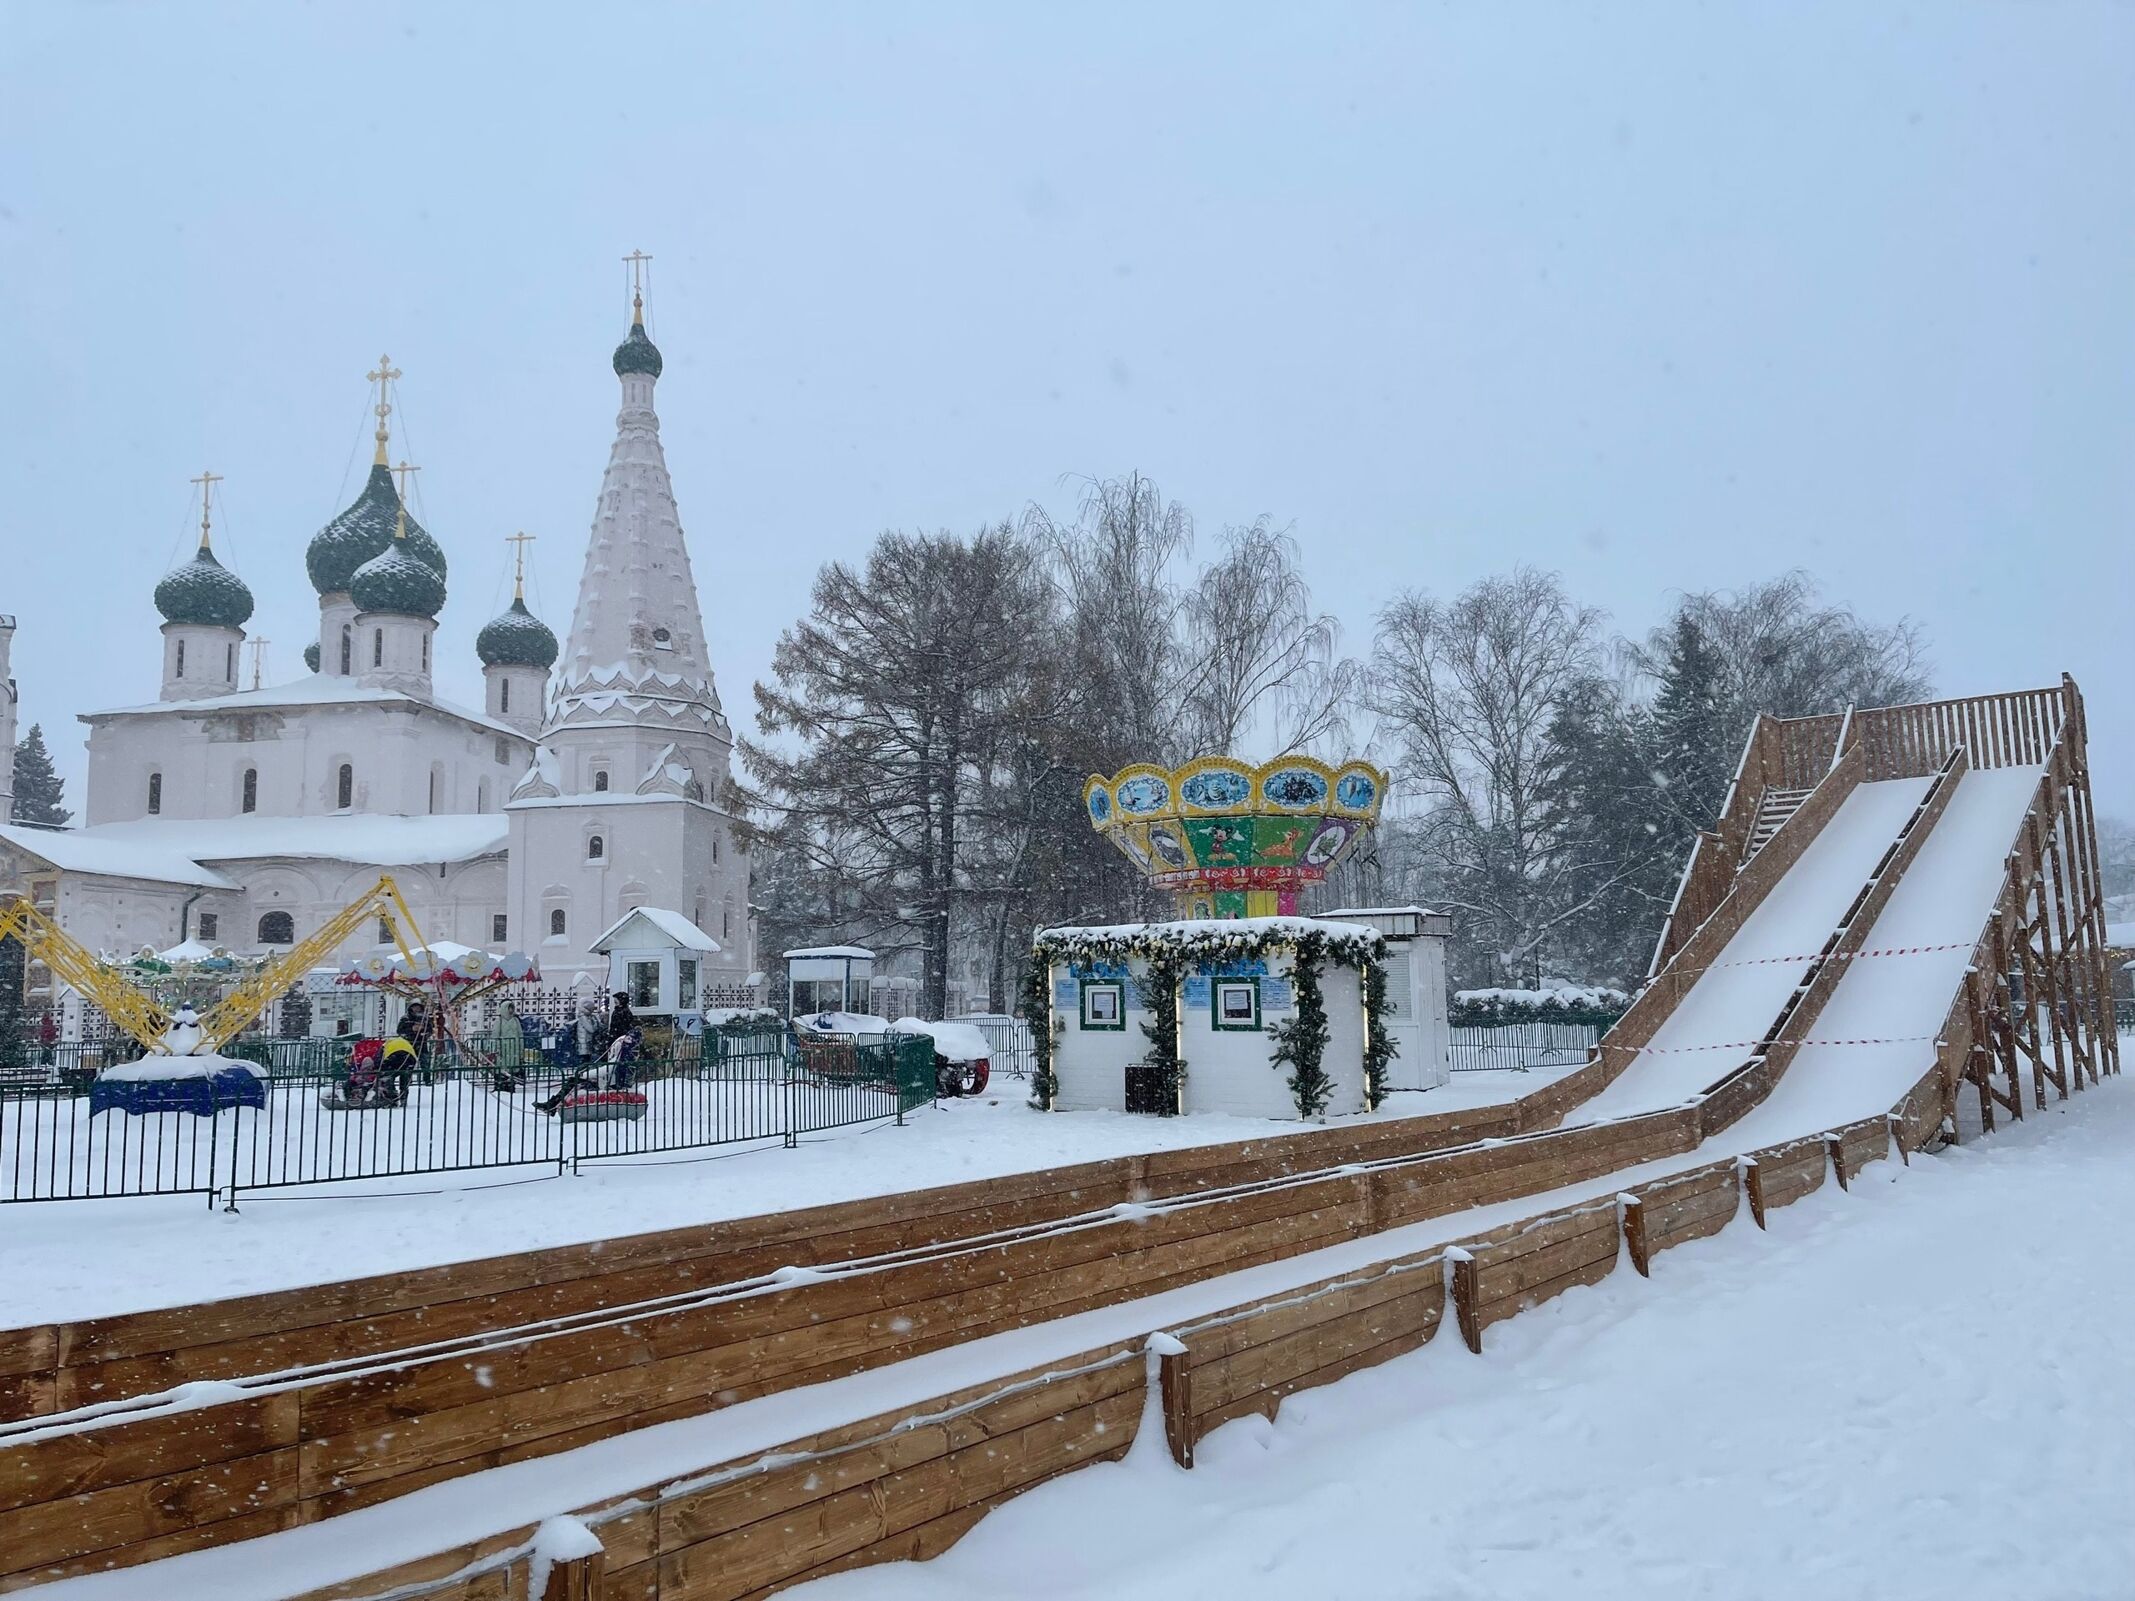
(473, 1108)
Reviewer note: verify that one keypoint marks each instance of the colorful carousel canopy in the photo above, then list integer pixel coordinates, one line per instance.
(1232, 839)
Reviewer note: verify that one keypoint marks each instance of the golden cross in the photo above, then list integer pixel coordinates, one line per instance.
(637, 260)
(207, 481)
(519, 542)
(400, 497)
(258, 644)
(385, 374)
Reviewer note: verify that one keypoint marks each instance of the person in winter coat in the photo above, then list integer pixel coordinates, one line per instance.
(621, 1020)
(590, 1031)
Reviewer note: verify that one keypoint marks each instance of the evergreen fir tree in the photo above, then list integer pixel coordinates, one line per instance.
(1694, 737)
(38, 791)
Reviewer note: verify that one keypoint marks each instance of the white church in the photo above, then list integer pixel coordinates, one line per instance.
(246, 817)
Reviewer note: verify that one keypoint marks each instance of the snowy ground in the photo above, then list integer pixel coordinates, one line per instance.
(77, 1259)
(1919, 1388)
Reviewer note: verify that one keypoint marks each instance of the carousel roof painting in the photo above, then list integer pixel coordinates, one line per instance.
(1221, 824)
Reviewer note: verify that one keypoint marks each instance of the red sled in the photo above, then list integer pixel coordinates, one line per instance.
(602, 1106)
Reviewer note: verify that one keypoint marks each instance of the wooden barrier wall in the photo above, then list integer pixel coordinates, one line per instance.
(906, 1487)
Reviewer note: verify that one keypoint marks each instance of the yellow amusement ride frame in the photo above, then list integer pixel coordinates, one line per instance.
(146, 1020)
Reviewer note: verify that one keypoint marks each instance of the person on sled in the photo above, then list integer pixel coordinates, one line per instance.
(612, 1072)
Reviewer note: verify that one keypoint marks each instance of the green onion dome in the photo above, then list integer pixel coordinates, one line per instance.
(398, 582)
(637, 354)
(311, 656)
(364, 531)
(516, 639)
(204, 591)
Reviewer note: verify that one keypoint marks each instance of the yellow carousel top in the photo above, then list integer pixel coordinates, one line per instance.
(1218, 830)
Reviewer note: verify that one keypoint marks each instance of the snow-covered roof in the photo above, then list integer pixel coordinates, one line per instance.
(1381, 911)
(672, 925)
(99, 853)
(371, 840)
(186, 950)
(315, 689)
(858, 953)
(1187, 928)
(959, 1042)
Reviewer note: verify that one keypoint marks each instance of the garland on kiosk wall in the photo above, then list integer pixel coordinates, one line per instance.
(1169, 949)
(1160, 989)
(1038, 1012)
(1380, 1046)
(1301, 1038)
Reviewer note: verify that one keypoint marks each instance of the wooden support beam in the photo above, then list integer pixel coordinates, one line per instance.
(1633, 1213)
(1460, 1280)
(1175, 1377)
(1753, 1187)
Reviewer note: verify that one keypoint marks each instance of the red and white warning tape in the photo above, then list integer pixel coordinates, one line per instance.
(1751, 1045)
(1837, 956)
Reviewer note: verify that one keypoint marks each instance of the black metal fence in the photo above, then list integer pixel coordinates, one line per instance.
(479, 1104)
(1519, 1047)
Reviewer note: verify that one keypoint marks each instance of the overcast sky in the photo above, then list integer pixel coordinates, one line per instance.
(1662, 297)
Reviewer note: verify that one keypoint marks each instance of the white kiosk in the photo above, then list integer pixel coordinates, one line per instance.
(1415, 989)
(829, 978)
(657, 958)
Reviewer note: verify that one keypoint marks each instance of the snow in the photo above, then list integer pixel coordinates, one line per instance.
(1788, 1395)
(857, 953)
(671, 925)
(186, 950)
(159, 1069)
(77, 1259)
(1935, 914)
(1733, 1003)
(1771, 1415)
(1217, 927)
(97, 852)
(173, 849)
(1558, 994)
(843, 1023)
(1339, 912)
(957, 1042)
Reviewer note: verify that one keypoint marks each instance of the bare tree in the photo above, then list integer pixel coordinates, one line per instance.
(1469, 689)
(1782, 652)
(1258, 653)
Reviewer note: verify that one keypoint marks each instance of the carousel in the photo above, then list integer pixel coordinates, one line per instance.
(1231, 840)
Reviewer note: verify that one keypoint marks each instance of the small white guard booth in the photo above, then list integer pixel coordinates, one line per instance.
(829, 978)
(1235, 978)
(657, 958)
(1415, 989)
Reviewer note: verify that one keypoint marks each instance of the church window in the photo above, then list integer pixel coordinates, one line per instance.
(208, 924)
(497, 925)
(726, 922)
(277, 928)
(504, 694)
(481, 794)
(662, 639)
(346, 642)
(248, 799)
(229, 662)
(504, 753)
(600, 782)
(596, 847)
(155, 793)
(179, 672)
(378, 647)
(715, 847)
(426, 653)
(433, 789)
(555, 920)
(345, 787)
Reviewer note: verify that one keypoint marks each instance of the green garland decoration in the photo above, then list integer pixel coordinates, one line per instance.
(1380, 1046)
(1161, 990)
(1301, 1039)
(1037, 1001)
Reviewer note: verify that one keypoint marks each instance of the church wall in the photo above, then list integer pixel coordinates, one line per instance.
(392, 749)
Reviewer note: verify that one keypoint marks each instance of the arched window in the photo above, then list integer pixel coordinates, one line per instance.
(277, 928)
(600, 781)
(248, 800)
(378, 647)
(715, 847)
(180, 670)
(229, 662)
(155, 793)
(426, 653)
(556, 920)
(481, 795)
(596, 847)
(347, 661)
(345, 787)
(433, 788)
(504, 695)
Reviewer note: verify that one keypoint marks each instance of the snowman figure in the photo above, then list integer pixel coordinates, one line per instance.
(182, 1038)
